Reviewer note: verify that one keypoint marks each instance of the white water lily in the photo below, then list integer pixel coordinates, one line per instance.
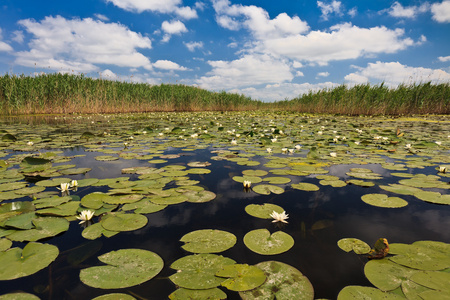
(233, 142)
(291, 151)
(319, 132)
(64, 187)
(357, 143)
(274, 140)
(74, 184)
(30, 143)
(269, 150)
(284, 150)
(279, 217)
(194, 135)
(85, 216)
(160, 134)
(438, 143)
(247, 184)
(442, 169)
(333, 154)
(298, 147)
(408, 146)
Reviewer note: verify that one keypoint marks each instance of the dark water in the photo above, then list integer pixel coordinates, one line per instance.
(317, 220)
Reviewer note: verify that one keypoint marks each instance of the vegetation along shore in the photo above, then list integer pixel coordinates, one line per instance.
(64, 93)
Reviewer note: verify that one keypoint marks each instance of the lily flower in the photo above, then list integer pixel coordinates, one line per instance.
(442, 169)
(64, 187)
(247, 184)
(269, 150)
(284, 150)
(85, 216)
(273, 140)
(333, 154)
(408, 146)
(30, 143)
(279, 217)
(195, 135)
(438, 143)
(74, 183)
(233, 142)
(291, 151)
(298, 147)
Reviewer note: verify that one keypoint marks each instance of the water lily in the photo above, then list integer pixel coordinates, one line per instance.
(438, 143)
(273, 140)
(64, 188)
(194, 135)
(269, 150)
(291, 151)
(357, 143)
(30, 143)
(279, 217)
(408, 146)
(333, 154)
(284, 150)
(247, 184)
(298, 147)
(85, 216)
(442, 169)
(233, 142)
(74, 184)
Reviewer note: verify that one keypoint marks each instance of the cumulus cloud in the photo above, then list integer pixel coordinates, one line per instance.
(173, 27)
(323, 74)
(108, 74)
(168, 65)
(327, 9)
(4, 47)
(80, 44)
(394, 73)
(101, 17)
(166, 6)
(343, 41)
(444, 58)
(18, 36)
(399, 11)
(193, 45)
(441, 11)
(249, 70)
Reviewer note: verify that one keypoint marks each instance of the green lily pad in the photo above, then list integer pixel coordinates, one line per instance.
(422, 255)
(106, 158)
(115, 296)
(200, 196)
(387, 275)
(5, 244)
(257, 173)
(198, 271)
(75, 171)
(305, 186)
(277, 180)
(382, 200)
(124, 222)
(32, 258)
(364, 292)
(18, 296)
(208, 241)
(400, 189)
(241, 277)
(433, 280)
(143, 207)
(51, 201)
(252, 179)
(65, 209)
(266, 189)
(358, 246)
(96, 230)
(44, 227)
(262, 242)
(433, 197)
(125, 268)
(284, 282)
(263, 211)
(209, 294)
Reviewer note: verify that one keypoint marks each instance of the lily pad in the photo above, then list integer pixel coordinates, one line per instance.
(115, 296)
(96, 230)
(241, 277)
(19, 296)
(387, 275)
(44, 227)
(263, 211)
(32, 258)
(364, 292)
(124, 222)
(358, 246)
(305, 186)
(208, 241)
(200, 196)
(422, 255)
(198, 271)
(382, 200)
(266, 189)
(284, 282)
(125, 268)
(262, 242)
(209, 294)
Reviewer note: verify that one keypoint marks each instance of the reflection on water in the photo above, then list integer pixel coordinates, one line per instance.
(317, 220)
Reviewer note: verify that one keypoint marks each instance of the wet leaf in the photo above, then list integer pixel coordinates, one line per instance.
(241, 277)
(262, 242)
(208, 241)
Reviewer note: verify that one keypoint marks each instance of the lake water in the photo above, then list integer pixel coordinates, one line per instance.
(317, 219)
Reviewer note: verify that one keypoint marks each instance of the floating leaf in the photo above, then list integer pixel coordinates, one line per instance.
(34, 257)
(115, 296)
(305, 186)
(208, 241)
(266, 189)
(358, 246)
(422, 255)
(124, 222)
(19, 296)
(200, 196)
(284, 282)
(209, 294)
(198, 271)
(262, 242)
(387, 275)
(125, 268)
(44, 227)
(263, 211)
(382, 200)
(241, 277)
(364, 292)
(95, 231)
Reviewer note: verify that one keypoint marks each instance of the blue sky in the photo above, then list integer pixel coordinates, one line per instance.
(268, 50)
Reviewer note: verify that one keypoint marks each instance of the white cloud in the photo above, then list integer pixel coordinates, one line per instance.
(353, 12)
(399, 11)
(80, 44)
(344, 41)
(168, 65)
(18, 36)
(441, 11)
(394, 73)
(4, 47)
(249, 70)
(329, 8)
(101, 17)
(160, 6)
(108, 74)
(173, 27)
(323, 74)
(193, 45)
(444, 58)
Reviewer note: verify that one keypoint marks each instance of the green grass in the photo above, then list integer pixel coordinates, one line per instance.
(64, 93)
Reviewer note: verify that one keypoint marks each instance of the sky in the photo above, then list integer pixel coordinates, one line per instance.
(267, 50)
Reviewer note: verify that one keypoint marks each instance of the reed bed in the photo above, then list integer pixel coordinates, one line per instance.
(68, 93)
